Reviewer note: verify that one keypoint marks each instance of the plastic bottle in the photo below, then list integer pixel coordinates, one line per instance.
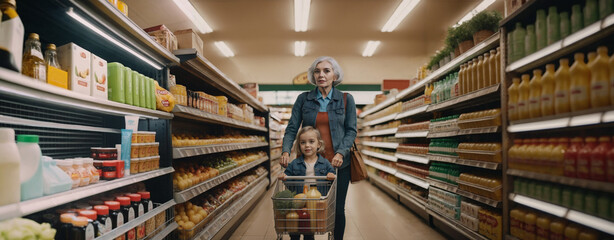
(565, 24)
(136, 92)
(598, 159)
(128, 213)
(480, 73)
(65, 226)
(9, 167)
(611, 83)
(427, 94)
(106, 225)
(66, 166)
(523, 97)
(588, 235)
(541, 29)
(547, 101)
(530, 40)
(553, 25)
(516, 223)
(580, 84)
(117, 92)
(470, 77)
(88, 164)
(117, 217)
(455, 89)
(535, 94)
(557, 230)
(557, 156)
(512, 102)
(461, 79)
(584, 158)
(561, 87)
(519, 34)
(571, 157)
(12, 32)
(529, 226)
(571, 232)
(33, 63)
(591, 12)
(543, 228)
(486, 70)
(600, 79)
(510, 47)
(31, 175)
(128, 88)
(492, 68)
(54, 179)
(577, 18)
(77, 164)
(51, 56)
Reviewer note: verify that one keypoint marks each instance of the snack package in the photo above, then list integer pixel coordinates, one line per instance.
(165, 101)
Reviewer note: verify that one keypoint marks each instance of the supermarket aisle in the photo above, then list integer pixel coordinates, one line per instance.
(371, 214)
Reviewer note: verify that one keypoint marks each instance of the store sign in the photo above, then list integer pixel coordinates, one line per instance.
(301, 79)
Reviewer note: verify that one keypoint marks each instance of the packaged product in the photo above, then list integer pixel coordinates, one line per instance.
(187, 38)
(165, 101)
(77, 62)
(180, 93)
(163, 36)
(99, 77)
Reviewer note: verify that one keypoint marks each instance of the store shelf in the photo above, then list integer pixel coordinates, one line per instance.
(275, 157)
(456, 225)
(381, 120)
(17, 85)
(412, 112)
(475, 97)
(442, 134)
(183, 152)
(43, 124)
(234, 211)
(510, 237)
(466, 162)
(481, 199)
(381, 167)
(207, 72)
(388, 187)
(576, 119)
(378, 107)
(422, 159)
(276, 146)
(414, 180)
(576, 182)
(195, 114)
(382, 156)
(119, 231)
(388, 131)
(166, 231)
(390, 145)
(275, 117)
(482, 130)
(441, 158)
(562, 212)
(417, 134)
(413, 202)
(443, 185)
(36, 205)
(276, 137)
(185, 195)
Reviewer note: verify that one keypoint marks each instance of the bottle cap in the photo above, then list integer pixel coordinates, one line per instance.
(80, 221)
(123, 200)
(102, 209)
(7, 135)
(134, 197)
(113, 205)
(67, 217)
(90, 214)
(33, 36)
(51, 46)
(27, 138)
(145, 195)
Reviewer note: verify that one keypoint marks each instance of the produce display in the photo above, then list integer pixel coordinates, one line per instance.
(419, 126)
(21, 228)
(421, 149)
(525, 222)
(486, 118)
(487, 186)
(188, 140)
(417, 170)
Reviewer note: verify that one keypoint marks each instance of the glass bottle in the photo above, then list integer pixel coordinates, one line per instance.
(523, 97)
(600, 75)
(553, 25)
(535, 94)
(480, 73)
(12, 31)
(577, 18)
(51, 56)
(512, 102)
(530, 44)
(565, 24)
(485, 70)
(33, 64)
(547, 101)
(541, 29)
(519, 35)
(561, 87)
(579, 87)
(498, 62)
(492, 71)
(591, 13)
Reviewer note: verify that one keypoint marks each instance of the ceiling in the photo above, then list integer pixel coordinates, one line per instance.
(261, 35)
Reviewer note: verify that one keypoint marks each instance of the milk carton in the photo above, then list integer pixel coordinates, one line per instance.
(99, 78)
(77, 62)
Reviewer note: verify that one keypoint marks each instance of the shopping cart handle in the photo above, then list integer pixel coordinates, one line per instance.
(305, 177)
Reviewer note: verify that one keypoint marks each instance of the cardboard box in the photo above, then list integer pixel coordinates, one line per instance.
(57, 77)
(163, 36)
(252, 88)
(77, 62)
(99, 78)
(187, 38)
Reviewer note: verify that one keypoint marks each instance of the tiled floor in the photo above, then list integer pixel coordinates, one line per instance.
(370, 213)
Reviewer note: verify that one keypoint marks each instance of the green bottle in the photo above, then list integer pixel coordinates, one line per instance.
(553, 25)
(577, 19)
(578, 200)
(566, 197)
(606, 7)
(153, 94)
(591, 13)
(519, 34)
(530, 40)
(128, 85)
(510, 47)
(541, 29)
(565, 24)
(590, 203)
(539, 188)
(603, 206)
(115, 72)
(547, 192)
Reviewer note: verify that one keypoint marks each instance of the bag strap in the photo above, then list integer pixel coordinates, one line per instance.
(345, 104)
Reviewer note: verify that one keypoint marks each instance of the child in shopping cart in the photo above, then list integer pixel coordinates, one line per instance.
(309, 162)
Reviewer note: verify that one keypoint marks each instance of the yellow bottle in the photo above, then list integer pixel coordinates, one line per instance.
(485, 70)
(547, 101)
(480, 73)
(470, 76)
(543, 228)
(600, 76)
(498, 62)
(33, 63)
(557, 229)
(474, 73)
(517, 223)
(512, 101)
(580, 84)
(461, 79)
(523, 97)
(535, 94)
(588, 235)
(571, 232)
(492, 68)
(427, 94)
(561, 87)
(529, 226)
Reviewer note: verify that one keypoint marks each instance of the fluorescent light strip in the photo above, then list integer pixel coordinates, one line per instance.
(483, 5)
(370, 49)
(188, 9)
(97, 30)
(299, 48)
(224, 49)
(399, 14)
(301, 15)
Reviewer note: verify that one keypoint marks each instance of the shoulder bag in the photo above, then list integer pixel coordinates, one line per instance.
(358, 170)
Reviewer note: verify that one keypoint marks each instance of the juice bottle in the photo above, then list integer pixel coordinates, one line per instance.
(512, 153)
(529, 226)
(12, 31)
(460, 78)
(541, 29)
(535, 94)
(9, 167)
(474, 75)
(565, 24)
(580, 84)
(33, 63)
(523, 97)
(498, 62)
(492, 64)
(485, 70)
(571, 157)
(561, 87)
(543, 228)
(571, 232)
(557, 157)
(584, 157)
(553, 25)
(519, 35)
(427, 94)
(512, 102)
(547, 101)
(609, 165)
(600, 76)
(588, 235)
(517, 222)
(598, 159)
(577, 18)
(557, 230)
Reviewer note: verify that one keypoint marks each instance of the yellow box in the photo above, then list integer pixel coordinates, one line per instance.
(57, 77)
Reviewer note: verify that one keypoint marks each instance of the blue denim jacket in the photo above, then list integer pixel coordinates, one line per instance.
(342, 121)
(297, 168)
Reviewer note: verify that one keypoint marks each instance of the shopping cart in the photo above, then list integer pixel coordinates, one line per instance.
(305, 215)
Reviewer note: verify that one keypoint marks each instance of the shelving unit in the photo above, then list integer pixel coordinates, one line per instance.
(379, 155)
(415, 180)
(455, 225)
(412, 158)
(576, 182)
(199, 115)
(416, 134)
(119, 231)
(382, 132)
(388, 145)
(381, 167)
(569, 120)
(184, 152)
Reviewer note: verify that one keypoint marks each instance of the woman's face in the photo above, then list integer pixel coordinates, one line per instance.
(324, 74)
(309, 143)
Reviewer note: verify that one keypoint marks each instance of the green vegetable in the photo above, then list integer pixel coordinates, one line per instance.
(25, 229)
(284, 204)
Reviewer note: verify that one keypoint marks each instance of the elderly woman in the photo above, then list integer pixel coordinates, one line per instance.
(334, 115)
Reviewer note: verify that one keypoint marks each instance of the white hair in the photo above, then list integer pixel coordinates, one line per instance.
(336, 69)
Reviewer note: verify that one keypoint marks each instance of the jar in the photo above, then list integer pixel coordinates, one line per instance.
(81, 229)
(142, 162)
(65, 228)
(66, 166)
(117, 218)
(143, 150)
(155, 149)
(150, 224)
(109, 170)
(155, 162)
(129, 214)
(135, 165)
(134, 150)
(98, 165)
(104, 153)
(77, 164)
(137, 206)
(88, 164)
(106, 225)
(135, 137)
(150, 137)
(92, 216)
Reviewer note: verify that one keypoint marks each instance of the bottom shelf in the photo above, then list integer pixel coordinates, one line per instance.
(417, 205)
(384, 185)
(455, 225)
(166, 231)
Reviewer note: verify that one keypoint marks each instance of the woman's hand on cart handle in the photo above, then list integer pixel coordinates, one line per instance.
(330, 176)
(285, 159)
(337, 160)
(282, 176)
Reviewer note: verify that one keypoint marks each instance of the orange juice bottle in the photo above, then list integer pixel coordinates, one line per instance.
(561, 87)
(427, 93)
(529, 226)
(474, 73)
(469, 75)
(547, 101)
(535, 94)
(498, 66)
(543, 228)
(558, 156)
(557, 230)
(580, 84)
(485, 72)
(523, 97)
(492, 68)
(600, 76)
(571, 232)
(517, 223)
(512, 102)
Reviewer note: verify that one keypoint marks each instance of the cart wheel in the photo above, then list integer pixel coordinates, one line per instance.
(331, 236)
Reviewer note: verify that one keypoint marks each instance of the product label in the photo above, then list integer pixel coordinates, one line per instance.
(582, 168)
(141, 210)
(130, 214)
(547, 100)
(610, 170)
(11, 35)
(140, 231)
(82, 83)
(107, 226)
(36, 53)
(76, 179)
(579, 94)
(131, 234)
(100, 88)
(120, 219)
(529, 228)
(89, 232)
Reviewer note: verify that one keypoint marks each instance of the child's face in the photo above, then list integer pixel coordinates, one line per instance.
(309, 143)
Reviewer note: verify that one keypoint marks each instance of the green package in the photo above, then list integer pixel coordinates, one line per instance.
(541, 29)
(152, 95)
(128, 85)
(553, 25)
(606, 7)
(556, 197)
(136, 94)
(547, 192)
(115, 72)
(565, 24)
(539, 188)
(603, 206)
(590, 203)
(578, 200)
(142, 90)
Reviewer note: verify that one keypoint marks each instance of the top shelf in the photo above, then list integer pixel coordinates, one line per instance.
(206, 71)
(199, 115)
(467, 99)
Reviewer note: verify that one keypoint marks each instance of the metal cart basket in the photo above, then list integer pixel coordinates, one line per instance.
(305, 215)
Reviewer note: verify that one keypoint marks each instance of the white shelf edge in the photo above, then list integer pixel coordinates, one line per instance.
(417, 134)
(464, 98)
(587, 119)
(412, 158)
(390, 187)
(380, 155)
(380, 106)
(381, 132)
(137, 221)
(411, 112)
(381, 167)
(456, 225)
(591, 221)
(541, 125)
(166, 231)
(34, 123)
(413, 180)
(381, 120)
(381, 144)
(198, 114)
(539, 205)
(183, 152)
(534, 56)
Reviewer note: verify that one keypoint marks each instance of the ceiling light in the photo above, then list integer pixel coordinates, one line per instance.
(483, 5)
(399, 14)
(97, 30)
(299, 48)
(188, 9)
(224, 49)
(301, 15)
(370, 49)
